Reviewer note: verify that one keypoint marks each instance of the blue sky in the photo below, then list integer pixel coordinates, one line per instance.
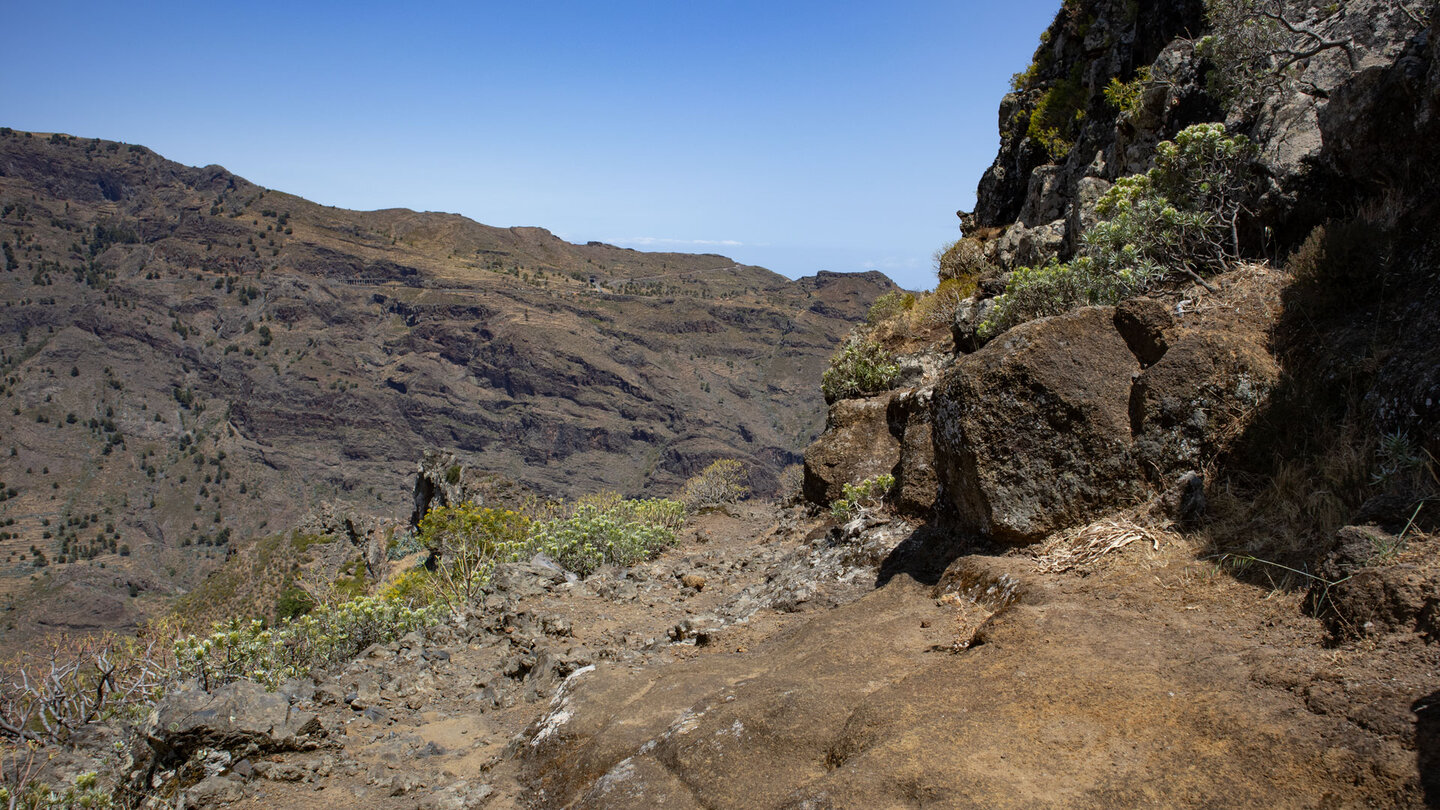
(801, 136)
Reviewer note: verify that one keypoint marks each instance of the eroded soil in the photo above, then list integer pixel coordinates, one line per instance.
(787, 679)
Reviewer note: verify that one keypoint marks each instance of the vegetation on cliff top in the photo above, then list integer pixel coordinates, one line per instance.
(1182, 216)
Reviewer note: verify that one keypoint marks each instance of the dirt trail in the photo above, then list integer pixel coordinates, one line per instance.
(1154, 680)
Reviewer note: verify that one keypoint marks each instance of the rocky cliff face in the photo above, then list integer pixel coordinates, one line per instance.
(189, 359)
(1062, 419)
(1318, 129)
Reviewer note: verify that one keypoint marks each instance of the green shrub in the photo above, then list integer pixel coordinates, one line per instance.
(608, 529)
(1126, 96)
(1025, 78)
(1058, 114)
(962, 259)
(1180, 216)
(352, 581)
(466, 542)
(401, 545)
(1247, 51)
(861, 367)
(889, 305)
(29, 794)
(328, 635)
(294, 601)
(862, 497)
(723, 481)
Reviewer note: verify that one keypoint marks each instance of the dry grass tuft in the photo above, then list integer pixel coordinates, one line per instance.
(1083, 547)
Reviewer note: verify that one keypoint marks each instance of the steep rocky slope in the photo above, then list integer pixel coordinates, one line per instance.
(189, 359)
(1176, 552)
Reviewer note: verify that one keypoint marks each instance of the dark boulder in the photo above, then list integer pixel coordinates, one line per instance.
(1033, 431)
(1199, 395)
(857, 444)
(239, 717)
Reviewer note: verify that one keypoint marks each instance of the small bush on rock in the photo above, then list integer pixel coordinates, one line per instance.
(466, 542)
(862, 497)
(861, 367)
(1258, 46)
(1126, 96)
(962, 259)
(889, 305)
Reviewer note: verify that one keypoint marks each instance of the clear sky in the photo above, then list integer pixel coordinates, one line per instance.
(801, 136)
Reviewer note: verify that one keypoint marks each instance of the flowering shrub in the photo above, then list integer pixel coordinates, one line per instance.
(614, 530)
(466, 542)
(861, 367)
(328, 635)
(1180, 216)
(721, 482)
(469, 541)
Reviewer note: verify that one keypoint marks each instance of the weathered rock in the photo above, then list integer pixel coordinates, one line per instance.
(1399, 598)
(916, 483)
(239, 716)
(1081, 215)
(1188, 404)
(1370, 586)
(1033, 431)
(213, 790)
(463, 795)
(1031, 245)
(856, 445)
(966, 327)
(439, 481)
(1147, 326)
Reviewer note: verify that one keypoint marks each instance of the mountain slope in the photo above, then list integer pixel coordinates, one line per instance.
(189, 358)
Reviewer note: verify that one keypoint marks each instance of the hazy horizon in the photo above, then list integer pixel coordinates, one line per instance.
(799, 137)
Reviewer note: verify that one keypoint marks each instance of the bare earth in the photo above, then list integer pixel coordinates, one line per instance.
(1154, 679)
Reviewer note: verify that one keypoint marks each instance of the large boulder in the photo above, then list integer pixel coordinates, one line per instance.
(1032, 432)
(240, 717)
(1195, 397)
(857, 444)
(916, 483)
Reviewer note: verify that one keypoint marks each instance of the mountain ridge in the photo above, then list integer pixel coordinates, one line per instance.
(240, 357)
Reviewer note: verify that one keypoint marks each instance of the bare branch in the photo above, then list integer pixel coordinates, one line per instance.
(1415, 18)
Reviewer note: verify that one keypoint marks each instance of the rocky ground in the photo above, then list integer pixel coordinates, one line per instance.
(759, 665)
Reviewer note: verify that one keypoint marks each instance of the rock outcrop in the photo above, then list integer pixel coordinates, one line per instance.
(887, 434)
(1033, 430)
(235, 722)
(857, 444)
(1062, 419)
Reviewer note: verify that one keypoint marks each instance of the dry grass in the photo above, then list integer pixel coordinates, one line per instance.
(1290, 513)
(1082, 548)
